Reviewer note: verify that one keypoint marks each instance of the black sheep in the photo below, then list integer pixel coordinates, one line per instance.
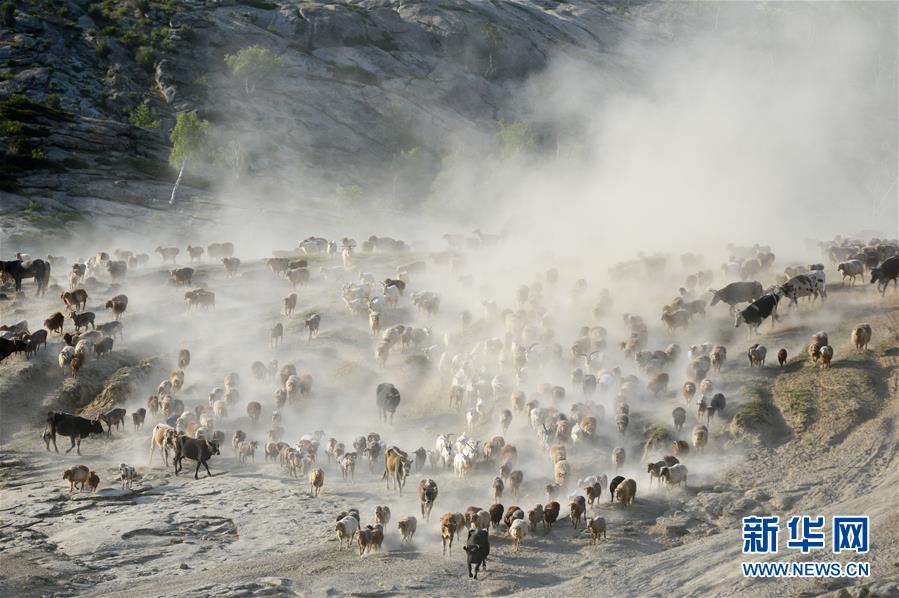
(388, 399)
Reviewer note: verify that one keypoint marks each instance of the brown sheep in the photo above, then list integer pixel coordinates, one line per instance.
(316, 481)
(382, 514)
(55, 323)
(75, 300)
(577, 507)
(700, 437)
(427, 494)
(826, 356)
(626, 492)
(689, 390)
(551, 513)
(93, 481)
(782, 357)
(76, 475)
(496, 511)
(618, 457)
(680, 448)
(861, 336)
(597, 527)
(290, 304)
(535, 516)
(363, 538)
(183, 359)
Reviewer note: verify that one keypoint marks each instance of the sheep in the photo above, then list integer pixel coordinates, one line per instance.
(407, 527)
(127, 475)
(782, 357)
(700, 437)
(577, 508)
(247, 450)
(427, 495)
(481, 520)
(517, 532)
(826, 356)
(688, 390)
(195, 253)
(618, 457)
(535, 516)
(374, 322)
(679, 416)
(448, 527)
(498, 486)
(860, 337)
(78, 474)
(75, 300)
(347, 464)
(277, 335)
(757, 354)
(311, 324)
(716, 406)
(232, 265)
(562, 472)
(316, 481)
(382, 514)
(118, 305)
(674, 475)
(496, 511)
(82, 320)
(346, 531)
(718, 356)
(290, 304)
(93, 481)
(674, 319)
(680, 447)
(818, 340)
(551, 513)
(626, 492)
(137, 418)
(55, 323)
(597, 527)
(376, 536)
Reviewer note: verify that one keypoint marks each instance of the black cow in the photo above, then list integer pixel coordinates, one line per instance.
(758, 310)
(73, 426)
(886, 272)
(10, 346)
(737, 292)
(39, 270)
(388, 400)
(478, 549)
(198, 449)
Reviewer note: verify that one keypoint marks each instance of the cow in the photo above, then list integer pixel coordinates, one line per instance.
(478, 549)
(39, 270)
(885, 273)
(73, 426)
(388, 399)
(10, 346)
(737, 292)
(198, 449)
(758, 310)
(801, 285)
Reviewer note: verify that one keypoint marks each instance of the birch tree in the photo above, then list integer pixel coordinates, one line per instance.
(189, 142)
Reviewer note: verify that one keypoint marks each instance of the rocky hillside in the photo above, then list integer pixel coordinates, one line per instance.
(361, 93)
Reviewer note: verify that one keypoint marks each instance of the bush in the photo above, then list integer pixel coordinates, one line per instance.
(145, 57)
(53, 101)
(142, 117)
(103, 48)
(38, 154)
(8, 11)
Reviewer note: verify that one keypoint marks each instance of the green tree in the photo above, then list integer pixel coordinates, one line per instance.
(143, 118)
(253, 64)
(189, 142)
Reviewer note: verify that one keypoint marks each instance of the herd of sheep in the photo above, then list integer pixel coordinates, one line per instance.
(494, 368)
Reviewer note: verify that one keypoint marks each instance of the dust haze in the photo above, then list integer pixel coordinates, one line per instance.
(719, 133)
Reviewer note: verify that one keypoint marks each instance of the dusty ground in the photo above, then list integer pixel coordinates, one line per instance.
(830, 447)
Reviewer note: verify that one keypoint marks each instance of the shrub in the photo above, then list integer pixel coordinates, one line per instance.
(103, 48)
(38, 154)
(142, 117)
(145, 57)
(53, 101)
(8, 12)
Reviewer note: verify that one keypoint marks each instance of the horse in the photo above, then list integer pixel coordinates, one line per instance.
(39, 270)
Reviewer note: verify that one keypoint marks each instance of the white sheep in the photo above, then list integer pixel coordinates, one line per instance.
(518, 531)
